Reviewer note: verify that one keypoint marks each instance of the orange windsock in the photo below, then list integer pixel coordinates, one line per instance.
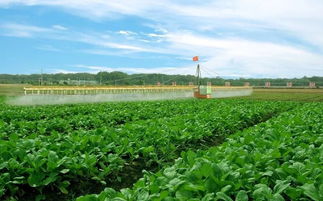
(196, 58)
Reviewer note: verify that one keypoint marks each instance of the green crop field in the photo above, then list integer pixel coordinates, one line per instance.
(280, 159)
(303, 95)
(264, 147)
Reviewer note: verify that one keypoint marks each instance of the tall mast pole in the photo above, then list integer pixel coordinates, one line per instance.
(198, 75)
(198, 72)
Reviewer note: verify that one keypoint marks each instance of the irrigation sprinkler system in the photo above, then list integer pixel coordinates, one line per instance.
(199, 90)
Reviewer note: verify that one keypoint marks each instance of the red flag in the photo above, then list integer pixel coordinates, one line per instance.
(196, 58)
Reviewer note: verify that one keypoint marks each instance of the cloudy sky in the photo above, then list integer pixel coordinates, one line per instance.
(233, 38)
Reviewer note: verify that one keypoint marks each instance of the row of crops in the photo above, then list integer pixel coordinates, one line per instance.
(303, 95)
(281, 159)
(62, 152)
(44, 120)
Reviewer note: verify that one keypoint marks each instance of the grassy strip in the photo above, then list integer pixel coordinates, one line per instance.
(12, 89)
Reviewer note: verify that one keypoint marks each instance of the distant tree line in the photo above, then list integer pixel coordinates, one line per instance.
(120, 78)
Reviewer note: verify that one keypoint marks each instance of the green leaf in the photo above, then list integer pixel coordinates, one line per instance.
(321, 190)
(88, 198)
(176, 182)
(294, 193)
(281, 186)
(190, 156)
(268, 173)
(3, 165)
(52, 177)
(193, 187)
(63, 189)
(242, 196)
(149, 149)
(208, 197)
(143, 195)
(64, 171)
(278, 197)
(18, 180)
(2, 190)
(170, 172)
(262, 192)
(222, 196)
(35, 179)
(163, 195)
(226, 188)
(126, 192)
(311, 191)
(52, 162)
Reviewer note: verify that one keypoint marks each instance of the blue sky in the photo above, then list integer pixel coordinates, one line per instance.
(233, 38)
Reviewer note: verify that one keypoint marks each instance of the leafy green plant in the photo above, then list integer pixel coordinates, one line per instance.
(280, 159)
(68, 162)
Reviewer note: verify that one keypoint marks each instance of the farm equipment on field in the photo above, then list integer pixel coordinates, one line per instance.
(201, 91)
(207, 91)
(103, 93)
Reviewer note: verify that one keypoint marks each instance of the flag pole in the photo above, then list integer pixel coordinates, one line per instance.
(198, 71)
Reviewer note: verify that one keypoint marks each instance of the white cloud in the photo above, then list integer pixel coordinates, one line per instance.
(223, 32)
(61, 71)
(93, 9)
(59, 27)
(133, 70)
(296, 16)
(230, 57)
(57, 32)
(127, 33)
(103, 52)
(19, 30)
(155, 35)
